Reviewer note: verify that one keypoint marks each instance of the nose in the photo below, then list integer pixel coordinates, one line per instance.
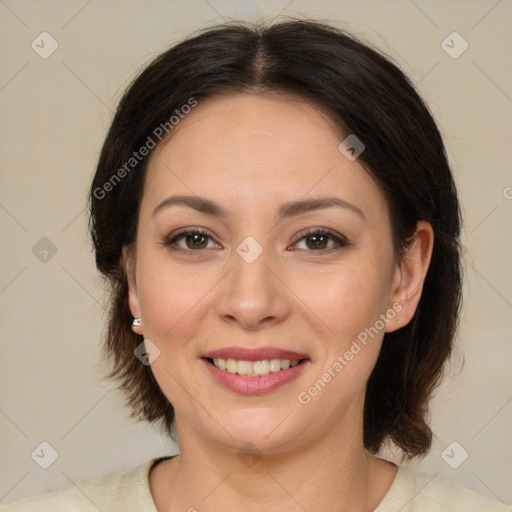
(252, 295)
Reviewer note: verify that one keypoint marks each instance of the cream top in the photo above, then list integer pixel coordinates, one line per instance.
(121, 491)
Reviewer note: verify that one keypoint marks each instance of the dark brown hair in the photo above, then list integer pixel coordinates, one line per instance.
(372, 99)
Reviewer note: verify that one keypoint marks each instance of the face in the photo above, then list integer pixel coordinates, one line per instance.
(262, 270)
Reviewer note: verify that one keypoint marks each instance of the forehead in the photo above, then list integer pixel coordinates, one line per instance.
(258, 148)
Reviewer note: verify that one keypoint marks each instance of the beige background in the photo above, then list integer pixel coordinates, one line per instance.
(55, 113)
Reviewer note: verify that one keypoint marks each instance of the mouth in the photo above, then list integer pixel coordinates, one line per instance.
(254, 368)
(254, 371)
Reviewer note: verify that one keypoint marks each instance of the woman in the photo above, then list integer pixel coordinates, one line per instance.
(275, 212)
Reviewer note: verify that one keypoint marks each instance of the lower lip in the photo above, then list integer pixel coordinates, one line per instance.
(255, 385)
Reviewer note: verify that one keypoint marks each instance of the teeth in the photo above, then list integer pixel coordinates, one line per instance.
(259, 367)
(275, 365)
(254, 368)
(244, 367)
(231, 366)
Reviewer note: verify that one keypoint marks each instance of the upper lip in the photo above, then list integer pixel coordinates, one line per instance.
(254, 354)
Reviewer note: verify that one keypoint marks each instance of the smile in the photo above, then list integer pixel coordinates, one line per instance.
(254, 371)
(253, 368)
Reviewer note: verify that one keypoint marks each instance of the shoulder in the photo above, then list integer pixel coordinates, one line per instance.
(115, 491)
(423, 492)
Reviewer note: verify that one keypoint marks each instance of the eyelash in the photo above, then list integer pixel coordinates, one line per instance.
(340, 241)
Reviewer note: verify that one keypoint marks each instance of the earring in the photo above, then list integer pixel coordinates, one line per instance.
(137, 321)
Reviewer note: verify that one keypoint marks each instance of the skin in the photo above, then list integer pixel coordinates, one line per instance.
(250, 154)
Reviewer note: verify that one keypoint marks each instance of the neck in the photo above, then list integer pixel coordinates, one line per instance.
(335, 470)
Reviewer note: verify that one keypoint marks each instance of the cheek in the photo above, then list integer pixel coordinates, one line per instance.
(172, 305)
(169, 304)
(171, 298)
(346, 299)
(349, 302)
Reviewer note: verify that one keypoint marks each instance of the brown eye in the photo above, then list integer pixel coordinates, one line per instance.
(317, 241)
(320, 240)
(189, 241)
(196, 241)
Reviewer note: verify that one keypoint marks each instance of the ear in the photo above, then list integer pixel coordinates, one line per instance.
(410, 275)
(128, 263)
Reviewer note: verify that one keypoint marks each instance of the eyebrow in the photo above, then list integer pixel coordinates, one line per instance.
(286, 210)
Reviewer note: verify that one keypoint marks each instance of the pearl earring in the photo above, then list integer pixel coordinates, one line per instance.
(137, 321)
